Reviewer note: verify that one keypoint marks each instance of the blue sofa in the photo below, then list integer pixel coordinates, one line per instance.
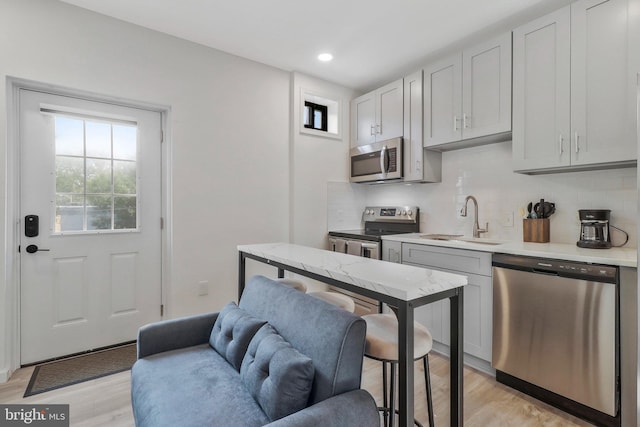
(280, 358)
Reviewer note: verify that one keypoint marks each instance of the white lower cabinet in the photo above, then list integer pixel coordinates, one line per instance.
(392, 251)
(478, 301)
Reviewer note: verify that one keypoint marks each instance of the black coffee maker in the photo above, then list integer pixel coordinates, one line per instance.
(594, 229)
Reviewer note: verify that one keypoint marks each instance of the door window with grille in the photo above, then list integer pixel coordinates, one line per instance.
(96, 175)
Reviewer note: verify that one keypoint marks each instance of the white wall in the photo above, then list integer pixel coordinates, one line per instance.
(315, 161)
(486, 173)
(229, 135)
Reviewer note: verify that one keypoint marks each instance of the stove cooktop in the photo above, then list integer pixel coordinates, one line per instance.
(372, 235)
(383, 221)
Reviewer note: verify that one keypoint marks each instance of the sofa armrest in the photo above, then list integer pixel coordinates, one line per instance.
(354, 408)
(175, 333)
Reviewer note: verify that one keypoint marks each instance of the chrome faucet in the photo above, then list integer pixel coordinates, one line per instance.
(476, 227)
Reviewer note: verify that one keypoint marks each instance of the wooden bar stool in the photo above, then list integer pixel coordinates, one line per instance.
(382, 344)
(293, 283)
(343, 301)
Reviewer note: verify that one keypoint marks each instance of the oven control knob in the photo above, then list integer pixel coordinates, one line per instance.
(403, 213)
(409, 212)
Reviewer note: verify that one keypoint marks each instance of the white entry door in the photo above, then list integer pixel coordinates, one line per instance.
(90, 249)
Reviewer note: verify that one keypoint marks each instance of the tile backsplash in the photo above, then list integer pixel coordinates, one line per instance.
(485, 172)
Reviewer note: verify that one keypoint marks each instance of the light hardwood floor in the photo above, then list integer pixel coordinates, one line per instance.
(106, 401)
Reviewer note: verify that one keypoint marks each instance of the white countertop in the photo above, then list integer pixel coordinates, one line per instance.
(404, 282)
(623, 257)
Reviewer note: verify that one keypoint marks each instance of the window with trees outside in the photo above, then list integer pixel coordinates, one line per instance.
(96, 175)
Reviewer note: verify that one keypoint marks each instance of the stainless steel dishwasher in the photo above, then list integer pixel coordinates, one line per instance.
(556, 333)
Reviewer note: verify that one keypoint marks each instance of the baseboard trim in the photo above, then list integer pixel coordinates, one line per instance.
(5, 374)
(469, 360)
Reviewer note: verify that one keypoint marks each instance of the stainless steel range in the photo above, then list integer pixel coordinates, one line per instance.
(377, 221)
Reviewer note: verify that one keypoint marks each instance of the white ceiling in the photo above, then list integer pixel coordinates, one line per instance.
(373, 41)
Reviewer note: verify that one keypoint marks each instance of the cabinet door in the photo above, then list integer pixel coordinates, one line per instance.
(413, 168)
(474, 262)
(363, 120)
(443, 101)
(389, 111)
(486, 88)
(478, 316)
(541, 98)
(601, 120)
(435, 317)
(392, 251)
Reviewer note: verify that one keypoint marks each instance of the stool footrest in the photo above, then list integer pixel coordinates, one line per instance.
(387, 410)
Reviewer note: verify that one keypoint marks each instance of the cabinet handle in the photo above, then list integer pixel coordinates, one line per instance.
(456, 119)
(373, 129)
(577, 142)
(379, 129)
(561, 141)
(418, 166)
(464, 121)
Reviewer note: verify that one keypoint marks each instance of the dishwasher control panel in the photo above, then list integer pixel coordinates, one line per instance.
(598, 272)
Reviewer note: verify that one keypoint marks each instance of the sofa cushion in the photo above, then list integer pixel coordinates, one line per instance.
(333, 338)
(191, 387)
(232, 333)
(277, 375)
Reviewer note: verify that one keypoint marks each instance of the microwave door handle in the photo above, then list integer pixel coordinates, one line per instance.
(383, 160)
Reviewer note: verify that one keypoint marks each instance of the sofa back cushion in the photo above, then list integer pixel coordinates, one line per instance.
(278, 377)
(232, 332)
(333, 338)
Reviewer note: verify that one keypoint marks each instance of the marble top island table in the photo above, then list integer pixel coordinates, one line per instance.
(402, 286)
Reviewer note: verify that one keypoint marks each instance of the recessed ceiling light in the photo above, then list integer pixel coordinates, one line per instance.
(325, 57)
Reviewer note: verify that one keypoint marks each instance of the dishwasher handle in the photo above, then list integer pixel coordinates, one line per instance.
(545, 272)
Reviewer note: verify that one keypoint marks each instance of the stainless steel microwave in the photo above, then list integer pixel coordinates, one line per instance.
(377, 162)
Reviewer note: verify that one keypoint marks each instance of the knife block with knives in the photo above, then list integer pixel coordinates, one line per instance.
(536, 226)
(535, 230)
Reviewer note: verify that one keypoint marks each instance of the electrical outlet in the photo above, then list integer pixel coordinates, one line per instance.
(203, 288)
(507, 219)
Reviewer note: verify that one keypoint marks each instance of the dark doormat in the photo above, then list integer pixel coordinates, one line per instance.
(64, 372)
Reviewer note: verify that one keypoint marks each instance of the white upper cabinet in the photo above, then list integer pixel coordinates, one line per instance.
(486, 88)
(443, 101)
(468, 96)
(377, 115)
(602, 125)
(420, 164)
(363, 116)
(574, 92)
(541, 92)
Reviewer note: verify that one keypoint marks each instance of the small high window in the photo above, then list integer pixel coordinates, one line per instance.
(315, 116)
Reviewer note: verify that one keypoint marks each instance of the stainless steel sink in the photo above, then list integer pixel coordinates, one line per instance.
(441, 236)
(460, 238)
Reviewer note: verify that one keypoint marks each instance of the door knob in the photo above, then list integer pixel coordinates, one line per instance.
(32, 249)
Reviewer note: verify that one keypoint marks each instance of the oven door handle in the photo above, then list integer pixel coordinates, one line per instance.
(368, 247)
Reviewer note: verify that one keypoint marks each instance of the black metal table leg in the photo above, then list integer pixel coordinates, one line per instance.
(280, 273)
(405, 363)
(241, 273)
(456, 359)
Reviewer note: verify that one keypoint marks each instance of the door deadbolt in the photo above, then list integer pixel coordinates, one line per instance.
(32, 249)
(31, 225)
